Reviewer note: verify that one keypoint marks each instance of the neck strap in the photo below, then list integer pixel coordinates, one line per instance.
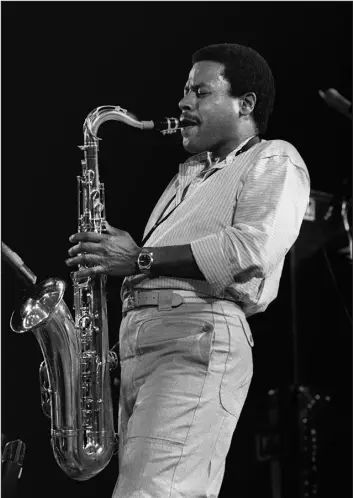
(247, 146)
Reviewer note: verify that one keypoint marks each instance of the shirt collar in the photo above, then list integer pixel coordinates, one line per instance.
(229, 158)
(205, 158)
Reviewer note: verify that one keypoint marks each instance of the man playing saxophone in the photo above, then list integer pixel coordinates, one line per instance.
(212, 255)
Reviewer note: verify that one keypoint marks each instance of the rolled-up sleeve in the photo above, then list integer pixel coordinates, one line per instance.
(268, 214)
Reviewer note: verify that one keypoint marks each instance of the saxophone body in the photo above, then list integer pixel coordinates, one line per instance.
(75, 374)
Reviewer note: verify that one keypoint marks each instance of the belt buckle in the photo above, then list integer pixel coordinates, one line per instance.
(165, 300)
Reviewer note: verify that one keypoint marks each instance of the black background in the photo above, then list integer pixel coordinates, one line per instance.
(60, 60)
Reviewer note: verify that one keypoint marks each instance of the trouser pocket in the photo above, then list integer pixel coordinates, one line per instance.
(238, 365)
(189, 337)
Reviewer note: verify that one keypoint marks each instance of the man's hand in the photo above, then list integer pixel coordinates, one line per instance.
(113, 253)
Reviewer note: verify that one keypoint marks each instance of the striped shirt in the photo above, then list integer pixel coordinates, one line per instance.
(241, 217)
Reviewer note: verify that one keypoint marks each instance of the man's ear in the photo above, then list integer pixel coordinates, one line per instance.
(247, 103)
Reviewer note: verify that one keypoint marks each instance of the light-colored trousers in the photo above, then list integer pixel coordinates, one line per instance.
(185, 374)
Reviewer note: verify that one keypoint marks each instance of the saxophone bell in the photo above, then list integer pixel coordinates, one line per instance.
(67, 398)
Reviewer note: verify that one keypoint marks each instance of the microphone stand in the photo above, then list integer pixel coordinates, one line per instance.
(11, 467)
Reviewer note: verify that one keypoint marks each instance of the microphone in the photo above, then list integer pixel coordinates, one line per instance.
(334, 99)
(16, 262)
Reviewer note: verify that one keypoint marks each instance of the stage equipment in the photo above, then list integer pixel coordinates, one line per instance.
(290, 441)
(335, 100)
(74, 376)
(327, 217)
(12, 465)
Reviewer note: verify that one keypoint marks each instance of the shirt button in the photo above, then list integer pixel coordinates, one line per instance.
(207, 327)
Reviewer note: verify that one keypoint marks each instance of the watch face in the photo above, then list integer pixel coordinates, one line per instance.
(144, 259)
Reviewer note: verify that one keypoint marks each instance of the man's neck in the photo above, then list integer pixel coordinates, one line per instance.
(222, 153)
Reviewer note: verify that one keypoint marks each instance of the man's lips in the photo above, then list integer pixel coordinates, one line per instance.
(188, 130)
(189, 123)
(190, 126)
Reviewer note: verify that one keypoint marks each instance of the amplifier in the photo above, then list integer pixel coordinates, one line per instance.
(322, 222)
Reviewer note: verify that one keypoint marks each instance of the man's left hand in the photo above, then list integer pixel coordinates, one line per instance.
(113, 253)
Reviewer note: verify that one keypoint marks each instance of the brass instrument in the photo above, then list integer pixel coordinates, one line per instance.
(74, 376)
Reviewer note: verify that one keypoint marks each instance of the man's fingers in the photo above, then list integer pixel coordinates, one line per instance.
(88, 272)
(91, 247)
(83, 259)
(87, 236)
(96, 237)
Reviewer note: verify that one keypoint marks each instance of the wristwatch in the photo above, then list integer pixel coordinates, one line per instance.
(144, 261)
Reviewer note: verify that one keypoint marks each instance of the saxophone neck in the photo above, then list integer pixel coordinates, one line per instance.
(117, 113)
(108, 113)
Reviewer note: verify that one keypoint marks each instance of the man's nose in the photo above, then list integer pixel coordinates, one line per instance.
(187, 103)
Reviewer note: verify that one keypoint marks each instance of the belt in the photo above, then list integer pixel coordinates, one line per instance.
(165, 299)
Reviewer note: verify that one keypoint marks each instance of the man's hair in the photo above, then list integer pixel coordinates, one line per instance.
(246, 71)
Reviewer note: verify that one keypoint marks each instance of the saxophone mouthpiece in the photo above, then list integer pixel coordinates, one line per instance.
(166, 125)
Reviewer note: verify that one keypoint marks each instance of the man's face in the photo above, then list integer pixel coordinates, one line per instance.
(207, 100)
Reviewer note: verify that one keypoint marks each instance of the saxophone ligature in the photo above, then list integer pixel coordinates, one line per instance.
(75, 374)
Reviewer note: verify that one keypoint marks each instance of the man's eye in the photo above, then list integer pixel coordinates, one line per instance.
(198, 93)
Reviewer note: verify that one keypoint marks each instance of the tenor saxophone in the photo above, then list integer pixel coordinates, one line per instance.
(75, 374)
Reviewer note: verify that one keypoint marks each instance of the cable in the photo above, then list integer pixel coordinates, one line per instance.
(329, 266)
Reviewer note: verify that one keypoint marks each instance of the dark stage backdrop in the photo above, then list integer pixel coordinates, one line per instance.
(60, 60)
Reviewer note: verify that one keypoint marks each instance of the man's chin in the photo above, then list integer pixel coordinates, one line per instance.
(192, 147)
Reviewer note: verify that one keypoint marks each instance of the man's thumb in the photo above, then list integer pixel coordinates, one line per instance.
(111, 230)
